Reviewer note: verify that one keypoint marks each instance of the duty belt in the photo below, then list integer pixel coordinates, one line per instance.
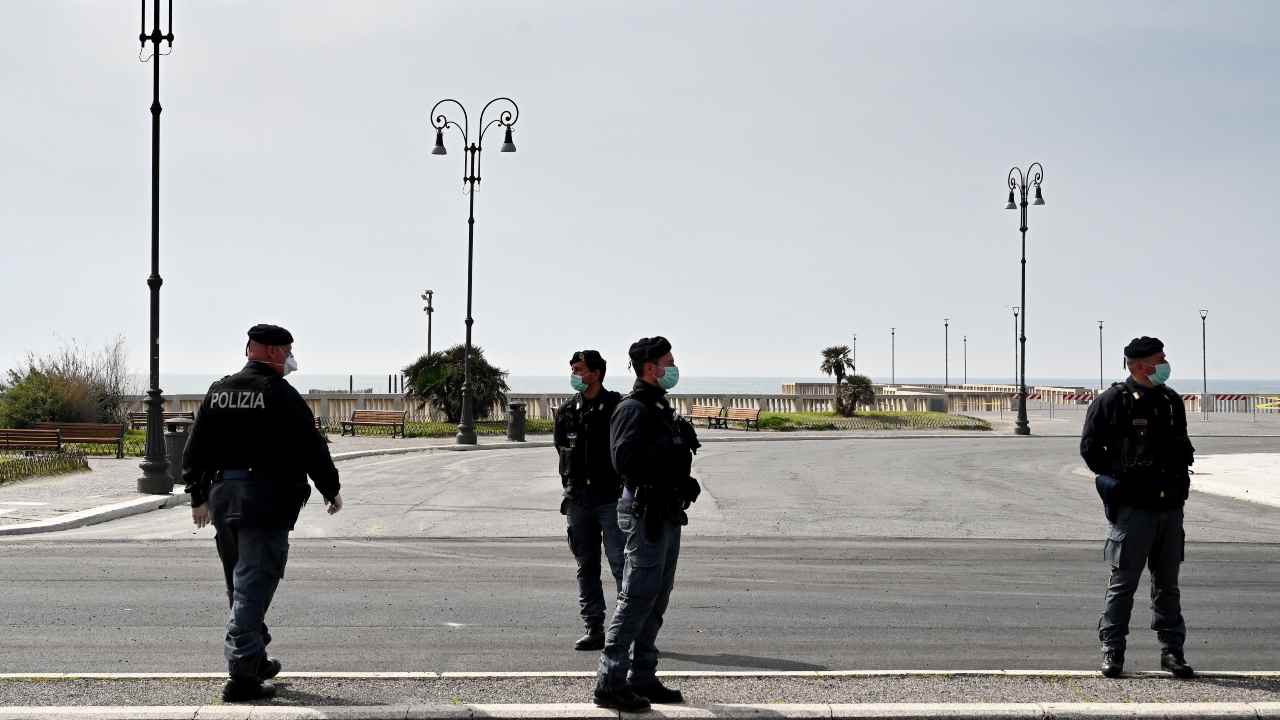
(235, 474)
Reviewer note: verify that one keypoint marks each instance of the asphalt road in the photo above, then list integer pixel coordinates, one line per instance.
(970, 553)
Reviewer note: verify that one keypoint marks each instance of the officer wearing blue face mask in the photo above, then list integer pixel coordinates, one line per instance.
(250, 451)
(653, 450)
(1135, 440)
(591, 488)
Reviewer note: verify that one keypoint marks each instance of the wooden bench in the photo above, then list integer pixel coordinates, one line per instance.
(31, 440)
(138, 420)
(743, 415)
(89, 433)
(713, 414)
(375, 418)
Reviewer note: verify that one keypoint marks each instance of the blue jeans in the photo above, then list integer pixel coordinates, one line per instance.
(588, 528)
(1137, 538)
(630, 655)
(254, 560)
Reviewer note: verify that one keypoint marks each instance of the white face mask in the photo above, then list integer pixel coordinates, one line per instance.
(290, 365)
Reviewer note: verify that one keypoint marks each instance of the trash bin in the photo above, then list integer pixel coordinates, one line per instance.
(176, 431)
(515, 421)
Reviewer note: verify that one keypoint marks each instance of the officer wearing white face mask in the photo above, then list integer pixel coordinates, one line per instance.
(1135, 440)
(251, 449)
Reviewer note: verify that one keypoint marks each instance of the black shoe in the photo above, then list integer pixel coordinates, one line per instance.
(623, 699)
(1112, 662)
(269, 668)
(655, 692)
(593, 640)
(237, 690)
(1174, 662)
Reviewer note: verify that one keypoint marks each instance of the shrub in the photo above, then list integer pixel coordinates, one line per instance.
(70, 386)
(437, 379)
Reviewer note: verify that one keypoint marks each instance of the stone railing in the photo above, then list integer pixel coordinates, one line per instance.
(333, 407)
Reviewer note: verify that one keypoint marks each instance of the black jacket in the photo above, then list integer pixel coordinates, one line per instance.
(582, 440)
(653, 450)
(255, 420)
(1138, 435)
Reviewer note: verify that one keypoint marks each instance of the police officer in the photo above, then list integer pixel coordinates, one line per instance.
(1135, 441)
(591, 488)
(246, 464)
(653, 452)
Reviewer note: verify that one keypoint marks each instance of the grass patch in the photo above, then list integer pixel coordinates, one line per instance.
(791, 422)
(21, 466)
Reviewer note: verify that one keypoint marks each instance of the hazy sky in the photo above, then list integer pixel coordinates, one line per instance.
(753, 180)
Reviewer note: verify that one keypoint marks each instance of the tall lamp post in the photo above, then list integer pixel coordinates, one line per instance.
(946, 352)
(1015, 344)
(893, 356)
(966, 359)
(429, 310)
(1100, 370)
(470, 183)
(1204, 358)
(155, 467)
(855, 353)
(1021, 183)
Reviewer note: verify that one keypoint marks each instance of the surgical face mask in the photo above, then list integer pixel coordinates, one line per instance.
(290, 365)
(1161, 375)
(576, 383)
(670, 378)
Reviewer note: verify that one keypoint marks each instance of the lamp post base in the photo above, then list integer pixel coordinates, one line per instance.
(155, 478)
(465, 436)
(1022, 429)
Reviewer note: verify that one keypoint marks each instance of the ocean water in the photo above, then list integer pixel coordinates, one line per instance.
(193, 383)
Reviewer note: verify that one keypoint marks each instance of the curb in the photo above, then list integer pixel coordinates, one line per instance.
(102, 514)
(745, 674)
(582, 711)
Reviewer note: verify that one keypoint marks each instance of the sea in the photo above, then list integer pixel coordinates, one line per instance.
(198, 383)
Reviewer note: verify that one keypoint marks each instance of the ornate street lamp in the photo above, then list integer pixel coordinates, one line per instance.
(893, 356)
(1021, 183)
(1100, 370)
(470, 183)
(1204, 358)
(155, 467)
(427, 295)
(946, 352)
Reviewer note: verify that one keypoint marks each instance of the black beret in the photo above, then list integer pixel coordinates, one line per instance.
(1143, 347)
(648, 349)
(270, 335)
(592, 358)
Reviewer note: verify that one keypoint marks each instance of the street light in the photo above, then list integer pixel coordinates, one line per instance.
(855, 353)
(893, 356)
(1204, 357)
(966, 359)
(946, 352)
(1022, 183)
(427, 295)
(155, 467)
(1100, 371)
(1015, 344)
(470, 183)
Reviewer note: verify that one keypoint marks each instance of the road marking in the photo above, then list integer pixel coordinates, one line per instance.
(24, 504)
(666, 673)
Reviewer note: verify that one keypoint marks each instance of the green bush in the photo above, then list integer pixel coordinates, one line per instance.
(436, 379)
(68, 386)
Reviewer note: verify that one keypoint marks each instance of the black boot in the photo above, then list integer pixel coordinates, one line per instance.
(1112, 662)
(593, 640)
(1174, 662)
(247, 690)
(268, 668)
(655, 692)
(623, 699)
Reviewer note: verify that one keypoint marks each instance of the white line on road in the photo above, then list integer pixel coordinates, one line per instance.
(665, 673)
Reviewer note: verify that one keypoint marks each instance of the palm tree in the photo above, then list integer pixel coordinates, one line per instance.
(835, 360)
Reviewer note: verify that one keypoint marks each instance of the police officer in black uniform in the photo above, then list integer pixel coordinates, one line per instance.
(591, 488)
(253, 445)
(1135, 441)
(653, 452)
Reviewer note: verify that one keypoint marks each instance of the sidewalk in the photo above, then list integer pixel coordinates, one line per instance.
(567, 695)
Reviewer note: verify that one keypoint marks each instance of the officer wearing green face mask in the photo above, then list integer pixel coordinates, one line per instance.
(1135, 441)
(591, 488)
(653, 452)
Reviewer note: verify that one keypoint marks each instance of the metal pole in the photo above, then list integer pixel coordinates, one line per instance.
(429, 310)
(966, 359)
(1204, 356)
(1022, 184)
(893, 356)
(946, 350)
(1100, 370)
(467, 426)
(155, 467)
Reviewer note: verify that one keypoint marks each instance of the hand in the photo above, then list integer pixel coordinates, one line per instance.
(200, 515)
(332, 507)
